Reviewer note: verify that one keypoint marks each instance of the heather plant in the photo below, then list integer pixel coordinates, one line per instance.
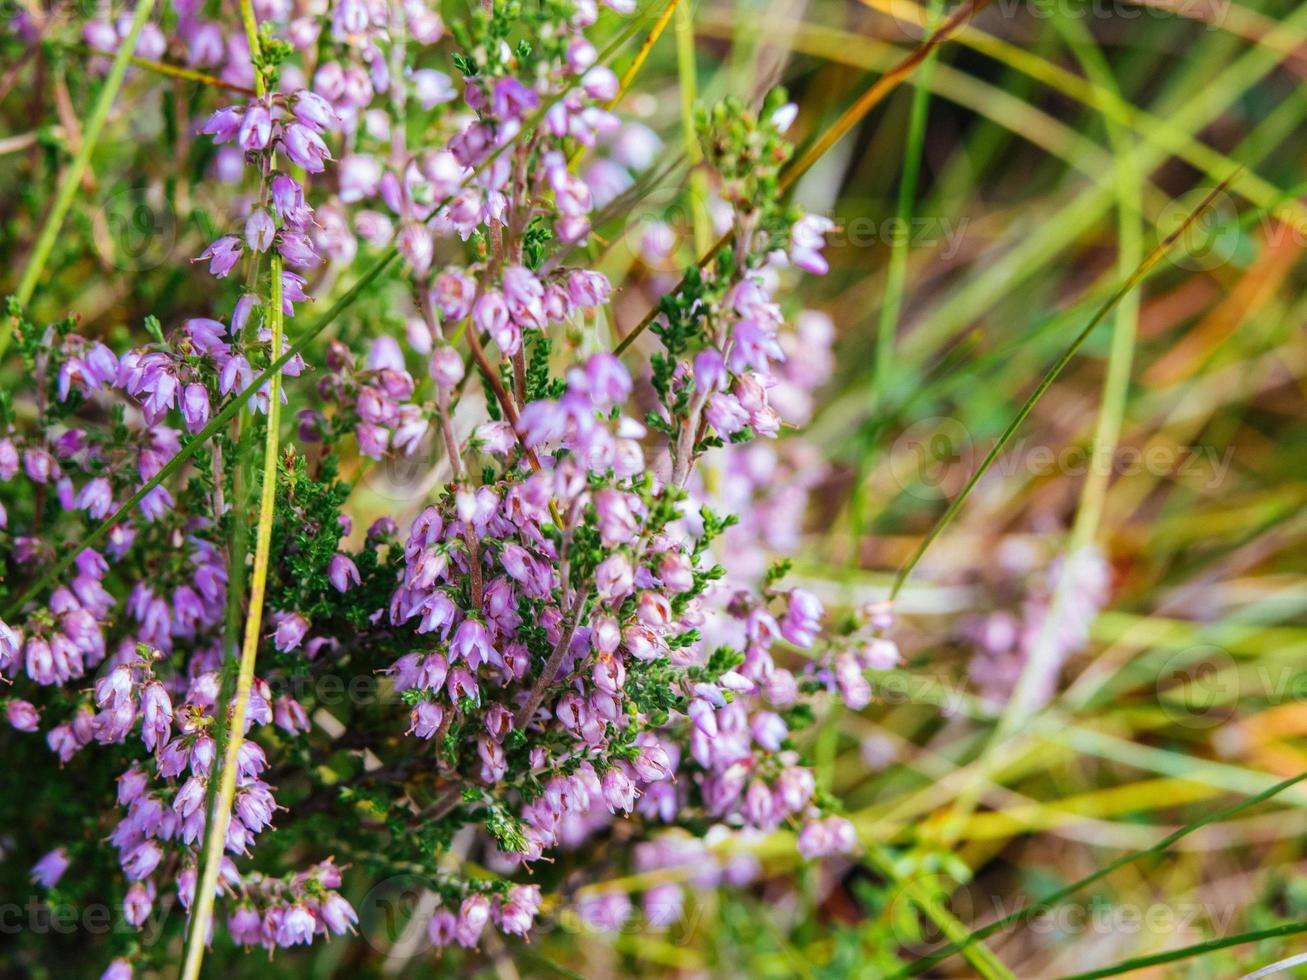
(407, 503)
(558, 645)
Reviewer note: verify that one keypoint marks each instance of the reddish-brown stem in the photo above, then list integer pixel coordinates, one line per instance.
(550, 671)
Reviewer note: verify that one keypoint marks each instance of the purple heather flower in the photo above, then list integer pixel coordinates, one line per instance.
(440, 930)
(205, 44)
(614, 579)
(223, 125)
(156, 503)
(588, 289)
(289, 715)
(343, 572)
(288, 201)
(297, 926)
(600, 83)
(315, 111)
(140, 861)
(461, 684)
(222, 255)
(432, 88)
(606, 912)
(195, 407)
(581, 54)
(96, 498)
(512, 100)
(518, 911)
(290, 631)
(703, 716)
(446, 367)
(118, 969)
(490, 313)
(255, 129)
(878, 653)
(137, 904)
(853, 686)
(472, 644)
(415, 244)
(453, 292)
(304, 147)
(10, 644)
(802, 619)
(8, 459)
(22, 715)
(807, 239)
(425, 719)
(156, 715)
(472, 917)
(618, 789)
(292, 291)
(337, 914)
(296, 249)
(259, 230)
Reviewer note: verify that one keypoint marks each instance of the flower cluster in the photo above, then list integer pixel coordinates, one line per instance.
(559, 643)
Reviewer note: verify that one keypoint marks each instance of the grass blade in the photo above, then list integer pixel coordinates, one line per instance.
(1187, 952)
(1145, 267)
(1030, 911)
(220, 812)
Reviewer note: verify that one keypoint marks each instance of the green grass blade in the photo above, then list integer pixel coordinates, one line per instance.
(1046, 382)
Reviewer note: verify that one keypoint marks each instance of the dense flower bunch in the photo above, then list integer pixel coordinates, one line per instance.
(557, 644)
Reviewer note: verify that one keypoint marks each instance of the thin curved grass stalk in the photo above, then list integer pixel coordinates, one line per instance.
(688, 82)
(220, 814)
(634, 67)
(238, 677)
(1041, 660)
(189, 75)
(1188, 952)
(1050, 901)
(898, 260)
(242, 475)
(1277, 967)
(874, 95)
(1140, 273)
(1015, 266)
(72, 178)
(638, 61)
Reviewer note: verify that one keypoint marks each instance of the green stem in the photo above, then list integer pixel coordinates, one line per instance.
(220, 813)
(895, 277)
(687, 77)
(1198, 949)
(896, 273)
(1030, 911)
(1140, 273)
(72, 178)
